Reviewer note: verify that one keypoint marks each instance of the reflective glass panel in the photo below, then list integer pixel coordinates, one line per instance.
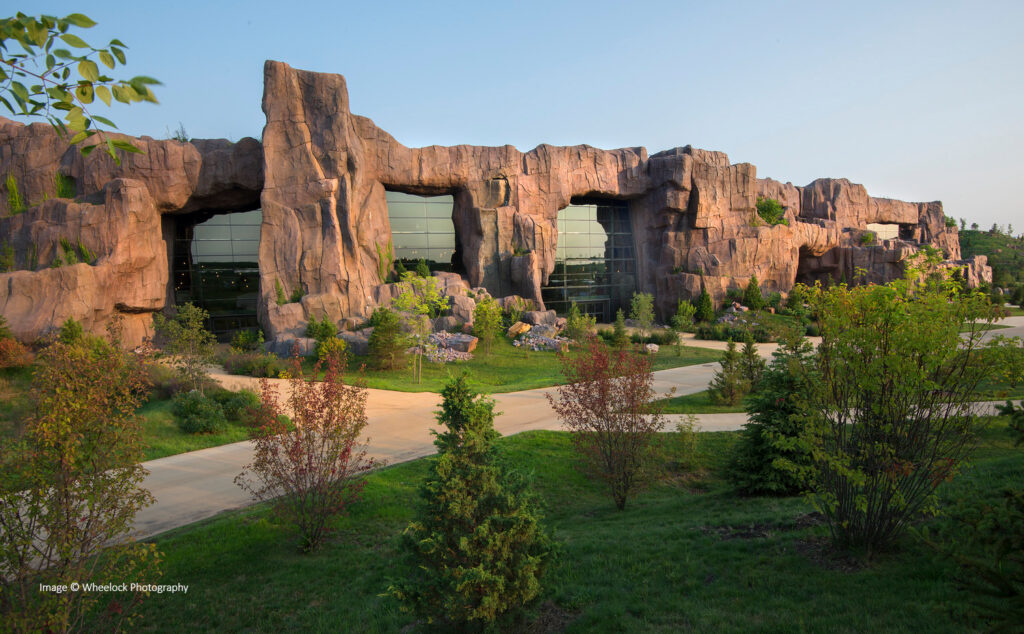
(422, 228)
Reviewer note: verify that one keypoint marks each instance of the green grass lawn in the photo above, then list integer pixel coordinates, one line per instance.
(506, 369)
(689, 554)
(161, 436)
(698, 403)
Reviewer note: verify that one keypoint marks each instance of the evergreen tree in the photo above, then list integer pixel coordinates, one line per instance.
(773, 456)
(705, 310)
(386, 342)
(752, 297)
(477, 549)
(619, 337)
(728, 386)
(751, 362)
(422, 269)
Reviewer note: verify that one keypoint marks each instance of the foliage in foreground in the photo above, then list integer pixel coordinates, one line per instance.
(70, 486)
(311, 470)
(892, 413)
(607, 404)
(773, 455)
(477, 549)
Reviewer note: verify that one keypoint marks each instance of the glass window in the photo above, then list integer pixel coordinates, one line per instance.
(594, 260)
(422, 228)
(215, 266)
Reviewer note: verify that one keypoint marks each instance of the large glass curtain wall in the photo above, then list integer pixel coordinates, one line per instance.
(216, 267)
(422, 229)
(595, 263)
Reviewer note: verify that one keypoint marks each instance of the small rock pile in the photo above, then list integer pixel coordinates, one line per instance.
(535, 341)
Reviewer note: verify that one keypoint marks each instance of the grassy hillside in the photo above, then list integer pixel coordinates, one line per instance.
(1005, 255)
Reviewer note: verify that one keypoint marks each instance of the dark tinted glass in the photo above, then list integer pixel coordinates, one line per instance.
(422, 229)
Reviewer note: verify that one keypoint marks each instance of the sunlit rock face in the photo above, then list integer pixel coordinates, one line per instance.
(321, 175)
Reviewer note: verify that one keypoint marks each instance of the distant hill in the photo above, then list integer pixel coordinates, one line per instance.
(1005, 255)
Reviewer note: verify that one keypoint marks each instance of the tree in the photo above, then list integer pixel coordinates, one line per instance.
(641, 310)
(893, 414)
(607, 406)
(59, 80)
(705, 310)
(577, 325)
(729, 385)
(771, 211)
(619, 337)
(422, 269)
(752, 297)
(187, 338)
(310, 468)
(70, 489)
(386, 344)
(682, 322)
(773, 455)
(477, 548)
(420, 300)
(751, 363)
(487, 322)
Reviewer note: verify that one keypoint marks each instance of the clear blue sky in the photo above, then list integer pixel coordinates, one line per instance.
(916, 100)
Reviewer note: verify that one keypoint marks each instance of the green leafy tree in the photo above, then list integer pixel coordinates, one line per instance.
(641, 310)
(682, 322)
(420, 300)
(729, 384)
(477, 549)
(487, 322)
(71, 331)
(705, 310)
(773, 455)
(893, 413)
(619, 337)
(46, 69)
(386, 344)
(577, 325)
(752, 297)
(70, 488)
(187, 339)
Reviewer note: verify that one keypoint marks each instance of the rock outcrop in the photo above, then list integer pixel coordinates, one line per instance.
(321, 175)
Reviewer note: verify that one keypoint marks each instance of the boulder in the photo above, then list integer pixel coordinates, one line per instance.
(358, 342)
(446, 322)
(462, 308)
(460, 342)
(517, 329)
(286, 346)
(651, 348)
(540, 317)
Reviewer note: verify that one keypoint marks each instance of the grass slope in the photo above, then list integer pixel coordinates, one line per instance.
(688, 554)
(506, 369)
(162, 437)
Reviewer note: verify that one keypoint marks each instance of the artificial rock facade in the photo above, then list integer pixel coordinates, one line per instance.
(320, 177)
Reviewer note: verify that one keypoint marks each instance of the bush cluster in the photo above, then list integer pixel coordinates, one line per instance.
(197, 413)
(257, 364)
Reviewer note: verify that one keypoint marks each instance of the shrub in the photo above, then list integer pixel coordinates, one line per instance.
(185, 336)
(422, 269)
(487, 322)
(682, 321)
(728, 385)
(13, 354)
(386, 344)
(7, 262)
(685, 440)
(400, 269)
(704, 310)
(641, 310)
(866, 238)
(257, 364)
(69, 491)
(71, 331)
(385, 255)
(5, 331)
(64, 185)
(312, 470)
(247, 340)
(773, 455)
(164, 381)
(893, 413)
(771, 211)
(15, 205)
(751, 363)
(578, 326)
(321, 330)
(607, 405)
(197, 413)
(238, 406)
(619, 337)
(279, 290)
(774, 300)
(332, 348)
(296, 295)
(476, 549)
(752, 297)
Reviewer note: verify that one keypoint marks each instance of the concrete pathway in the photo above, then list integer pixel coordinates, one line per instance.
(196, 485)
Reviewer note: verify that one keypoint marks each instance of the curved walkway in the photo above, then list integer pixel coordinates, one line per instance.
(193, 486)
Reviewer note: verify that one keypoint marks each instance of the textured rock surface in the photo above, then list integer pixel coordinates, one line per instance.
(321, 175)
